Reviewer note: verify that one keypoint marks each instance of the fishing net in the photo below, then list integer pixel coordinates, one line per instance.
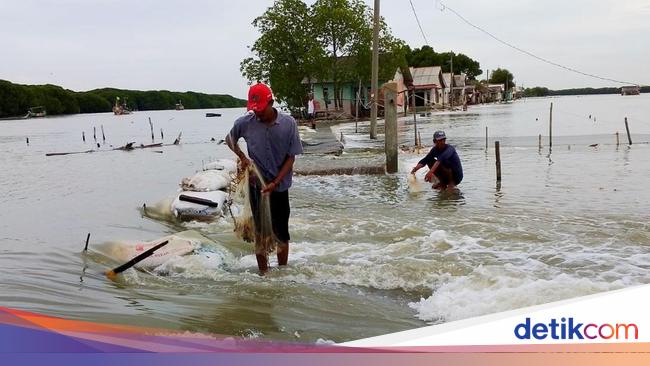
(253, 223)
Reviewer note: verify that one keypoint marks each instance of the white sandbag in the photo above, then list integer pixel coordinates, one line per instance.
(185, 210)
(124, 251)
(227, 165)
(205, 181)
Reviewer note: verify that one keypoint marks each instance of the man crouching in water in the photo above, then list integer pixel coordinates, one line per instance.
(443, 162)
(273, 142)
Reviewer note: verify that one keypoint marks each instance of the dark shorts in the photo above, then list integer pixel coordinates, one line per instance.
(280, 211)
(445, 175)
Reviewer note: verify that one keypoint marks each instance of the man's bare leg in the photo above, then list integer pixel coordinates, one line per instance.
(262, 263)
(283, 253)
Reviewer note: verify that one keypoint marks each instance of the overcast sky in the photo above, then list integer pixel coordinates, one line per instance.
(197, 45)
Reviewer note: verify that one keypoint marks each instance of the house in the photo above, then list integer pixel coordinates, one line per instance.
(495, 92)
(630, 90)
(345, 104)
(458, 90)
(425, 84)
(449, 84)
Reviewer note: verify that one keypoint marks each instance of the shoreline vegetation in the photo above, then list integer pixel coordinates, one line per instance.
(17, 99)
(544, 92)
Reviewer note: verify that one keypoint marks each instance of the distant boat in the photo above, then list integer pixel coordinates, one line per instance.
(179, 106)
(120, 108)
(35, 112)
(213, 114)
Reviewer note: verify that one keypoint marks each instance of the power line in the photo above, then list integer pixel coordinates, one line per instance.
(419, 25)
(444, 7)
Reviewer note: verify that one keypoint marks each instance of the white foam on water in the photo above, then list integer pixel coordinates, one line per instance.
(490, 289)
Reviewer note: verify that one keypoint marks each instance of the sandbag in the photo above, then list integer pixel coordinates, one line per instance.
(226, 165)
(185, 210)
(205, 181)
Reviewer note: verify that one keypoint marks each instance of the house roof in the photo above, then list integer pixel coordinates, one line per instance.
(447, 78)
(426, 76)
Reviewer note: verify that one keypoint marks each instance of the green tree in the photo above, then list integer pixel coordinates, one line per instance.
(345, 30)
(286, 52)
(426, 56)
(502, 76)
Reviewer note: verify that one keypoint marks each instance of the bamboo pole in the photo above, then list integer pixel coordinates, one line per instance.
(103, 136)
(498, 158)
(540, 141)
(550, 128)
(617, 142)
(83, 136)
(162, 135)
(87, 239)
(151, 127)
(627, 128)
(95, 133)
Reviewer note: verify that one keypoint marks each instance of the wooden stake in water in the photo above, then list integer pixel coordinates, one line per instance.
(486, 138)
(151, 126)
(95, 133)
(627, 128)
(87, 239)
(550, 128)
(415, 116)
(419, 139)
(540, 141)
(83, 136)
(498, 156)
(103, 136)
(390, 124)
(617, 143)
(162, 135)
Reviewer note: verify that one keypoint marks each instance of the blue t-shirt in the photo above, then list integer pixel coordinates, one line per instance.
(448, 157)
(269, 145)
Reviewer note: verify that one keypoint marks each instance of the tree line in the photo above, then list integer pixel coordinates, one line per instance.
(539, 91)
(17, 99)
(331, 41)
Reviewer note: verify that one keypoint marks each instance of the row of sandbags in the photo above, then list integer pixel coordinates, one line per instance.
(204, 196)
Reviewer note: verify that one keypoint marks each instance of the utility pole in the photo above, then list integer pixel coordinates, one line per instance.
(375, 73)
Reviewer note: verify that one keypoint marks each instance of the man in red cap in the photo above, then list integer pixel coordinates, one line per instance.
(272, 142)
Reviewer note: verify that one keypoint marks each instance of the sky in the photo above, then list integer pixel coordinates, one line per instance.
(198, 45)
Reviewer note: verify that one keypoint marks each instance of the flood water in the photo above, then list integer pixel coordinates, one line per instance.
(368, 256)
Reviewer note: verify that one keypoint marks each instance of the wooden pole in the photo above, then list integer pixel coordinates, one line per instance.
(83, 136)
(375, 72)
(419, 139)
(498, 156)
(103, 136)
(390, 125)
(617, 143)
(540, 141)
(27, 138)
(162, 135)
(151, 126)
(415, 118)
(486, 138)
(87, 239)
(356, 115)
(627, 128)
(550, 128)
(95, 133)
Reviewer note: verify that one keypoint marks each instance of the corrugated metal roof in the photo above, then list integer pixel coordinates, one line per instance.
(447, 78)
(425, 75)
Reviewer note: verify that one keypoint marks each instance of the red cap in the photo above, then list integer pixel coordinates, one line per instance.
(259, 96)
